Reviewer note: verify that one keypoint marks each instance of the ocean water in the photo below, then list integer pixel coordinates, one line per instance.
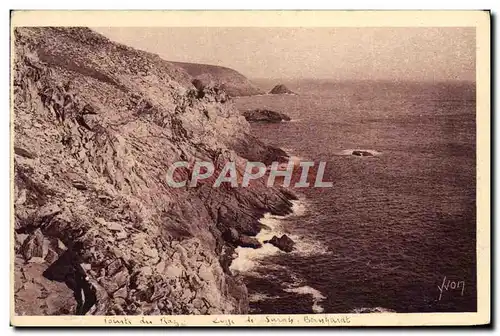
(394, 227)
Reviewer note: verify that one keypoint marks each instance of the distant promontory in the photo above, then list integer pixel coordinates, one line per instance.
(233, 82)
(281, 89)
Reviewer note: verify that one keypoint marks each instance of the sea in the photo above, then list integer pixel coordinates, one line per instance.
(397, 230)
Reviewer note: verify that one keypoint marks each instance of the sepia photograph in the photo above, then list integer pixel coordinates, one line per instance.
(316, 172)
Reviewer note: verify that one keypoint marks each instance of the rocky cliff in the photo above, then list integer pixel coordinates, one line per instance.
(232, 81)
(96, 125)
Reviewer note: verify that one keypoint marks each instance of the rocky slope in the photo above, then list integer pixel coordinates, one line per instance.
(232, 81)
(96, 125)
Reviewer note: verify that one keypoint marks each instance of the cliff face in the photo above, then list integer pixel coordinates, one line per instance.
(96, 125)
(232, 81)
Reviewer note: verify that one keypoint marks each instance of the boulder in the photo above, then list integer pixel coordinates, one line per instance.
(246, 241)
(284, 243)
(281, 89)
(33, 245)
(263, 115)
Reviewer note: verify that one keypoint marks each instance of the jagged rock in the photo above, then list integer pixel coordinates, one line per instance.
(20, 238)
(33, 245)
(80, 185)
(146, 271)
(90, 122)
(51, 256)
(263, 115)
(150, 252)
(121, 235)
(87, 267)
(48, 211)
(246, 241)
(37, 260)
(101, 221)
(284, 243)
(113, 267)
(24, 152)
(21, 197)
(121, 293)
(160, 267)
(281, 89)
(102, 299)
(117, 281)
(114, 226)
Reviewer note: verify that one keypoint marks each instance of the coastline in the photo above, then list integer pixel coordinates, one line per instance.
(247, 261)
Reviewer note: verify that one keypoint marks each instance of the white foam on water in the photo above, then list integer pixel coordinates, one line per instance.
(299, 208)
(307, 247)
(256, 297)
(248, 258)
(317, 296)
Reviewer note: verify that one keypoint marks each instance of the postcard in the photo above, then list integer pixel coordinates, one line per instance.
(250, 168)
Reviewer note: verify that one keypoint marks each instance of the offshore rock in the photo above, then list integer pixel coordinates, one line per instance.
(263, 115)
(281, 89)
(284, 243)
(361, 153)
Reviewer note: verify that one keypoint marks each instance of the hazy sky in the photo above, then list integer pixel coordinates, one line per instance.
(331, 53)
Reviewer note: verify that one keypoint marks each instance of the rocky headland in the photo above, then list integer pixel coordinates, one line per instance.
(233, 82)
(97, 229)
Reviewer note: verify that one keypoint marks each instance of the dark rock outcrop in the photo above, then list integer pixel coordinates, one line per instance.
(281, 89)
(96, 126)
(246, 241)
(263, 115)
(210, 89)
(253, 149)
(284, 243)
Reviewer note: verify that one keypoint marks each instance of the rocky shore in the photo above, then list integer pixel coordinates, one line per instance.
(97, 229)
